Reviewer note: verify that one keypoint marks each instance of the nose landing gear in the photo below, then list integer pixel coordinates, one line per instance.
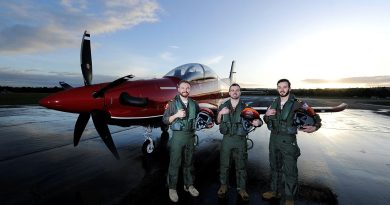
(148, 145)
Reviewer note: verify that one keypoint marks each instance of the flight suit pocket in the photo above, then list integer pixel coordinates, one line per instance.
(291, 148)
(240, 130)
(225, 125)
(176, 126)
(224, 129)
(271, 124)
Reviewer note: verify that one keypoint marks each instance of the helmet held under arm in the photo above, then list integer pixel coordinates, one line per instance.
(304, 116)
(204, 119)
(248, 115)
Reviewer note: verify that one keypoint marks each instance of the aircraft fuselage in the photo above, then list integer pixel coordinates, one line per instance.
(157, 92)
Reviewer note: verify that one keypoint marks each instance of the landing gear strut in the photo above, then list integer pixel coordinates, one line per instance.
(148, 146)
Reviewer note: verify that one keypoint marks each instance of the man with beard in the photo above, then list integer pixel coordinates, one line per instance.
(233, 142)
(283, 147)
(181, 113)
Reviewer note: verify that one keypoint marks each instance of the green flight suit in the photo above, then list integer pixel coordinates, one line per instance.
(182, 141)
(233, 145)
(283, 147)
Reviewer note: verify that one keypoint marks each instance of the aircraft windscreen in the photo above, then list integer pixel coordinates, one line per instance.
(209, 74)
(192, 72)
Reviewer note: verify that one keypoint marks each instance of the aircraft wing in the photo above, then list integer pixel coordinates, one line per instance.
(262, 109)
(208, 105)
(337, 108)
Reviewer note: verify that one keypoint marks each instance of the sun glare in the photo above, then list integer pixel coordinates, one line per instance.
(330, 55)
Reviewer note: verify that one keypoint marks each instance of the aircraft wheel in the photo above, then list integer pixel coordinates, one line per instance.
(148, 147)
(196, 141)
(249, 143)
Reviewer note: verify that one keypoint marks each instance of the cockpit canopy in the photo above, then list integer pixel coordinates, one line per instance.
(192, 72)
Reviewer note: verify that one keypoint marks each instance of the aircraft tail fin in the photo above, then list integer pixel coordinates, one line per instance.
(232, 77)
(232, 73)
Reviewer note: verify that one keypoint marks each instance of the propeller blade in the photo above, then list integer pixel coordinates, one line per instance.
(102, 128)
(86, 59)
(79, 127)
(65, 86)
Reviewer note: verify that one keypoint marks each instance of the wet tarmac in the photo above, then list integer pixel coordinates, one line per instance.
(346, 162)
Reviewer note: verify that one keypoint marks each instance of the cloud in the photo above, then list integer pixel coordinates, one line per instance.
(36, 78)
(174, 47)
(366, 79)
(316, 81)
(369, 81)
(37, 26)
(74, 6)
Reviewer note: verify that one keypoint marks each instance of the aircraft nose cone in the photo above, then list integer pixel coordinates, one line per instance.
(48, 102)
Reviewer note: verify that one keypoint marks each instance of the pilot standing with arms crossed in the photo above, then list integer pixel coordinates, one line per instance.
(233, 142)
(180, 114)
(283, 147)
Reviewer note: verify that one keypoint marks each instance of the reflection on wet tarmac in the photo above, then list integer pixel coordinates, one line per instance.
(345, 162)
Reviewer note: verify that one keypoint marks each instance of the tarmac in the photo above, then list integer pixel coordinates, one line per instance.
(345, 162)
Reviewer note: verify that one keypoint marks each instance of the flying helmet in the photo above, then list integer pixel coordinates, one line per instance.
(248, 115)
(302, 118)
(204, 119)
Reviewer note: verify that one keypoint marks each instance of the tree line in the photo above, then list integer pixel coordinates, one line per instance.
(379, 92)
(5, 89)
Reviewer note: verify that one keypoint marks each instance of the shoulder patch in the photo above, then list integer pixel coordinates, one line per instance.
(166, 106)
(298, 100)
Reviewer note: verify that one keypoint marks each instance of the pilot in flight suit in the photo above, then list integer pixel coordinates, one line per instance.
(180, 115)
(283, 147)
(234, 144)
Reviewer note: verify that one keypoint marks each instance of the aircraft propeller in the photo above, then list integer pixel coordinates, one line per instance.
(99, 118)
(86, 59)
(79, 127)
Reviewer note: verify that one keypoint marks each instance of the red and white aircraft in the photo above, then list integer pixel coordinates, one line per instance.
(127, 102)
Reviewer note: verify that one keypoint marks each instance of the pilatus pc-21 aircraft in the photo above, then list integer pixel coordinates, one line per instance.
(127, 102)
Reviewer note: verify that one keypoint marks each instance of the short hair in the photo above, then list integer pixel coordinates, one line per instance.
(234, 84)
(284, 80)
(183, 81)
